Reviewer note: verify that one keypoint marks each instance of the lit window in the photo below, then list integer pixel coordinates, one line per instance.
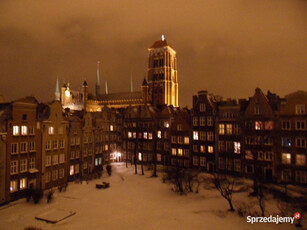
(286, 158)
(23, 183)
(150, 136)
(237, 147)
(210, 149)
(13, 185)
(111, 127)
(258, 125)
(71, 170)
(221, 129)
(24, 130)
(249, 155)
(229, 129)
(186, 140)
(202, 148)
(129, 134)
(140, 156)
(268, 125)
(300, 159)
(174, 152)
(195, 135)
(51, 130)
(166, 124)
(15, 130)
(179, 152)
(159, 134)
(145, 135)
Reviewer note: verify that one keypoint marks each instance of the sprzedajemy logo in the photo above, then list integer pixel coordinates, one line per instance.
(273, 219)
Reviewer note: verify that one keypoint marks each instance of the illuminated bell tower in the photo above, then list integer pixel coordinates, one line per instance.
(162, 74)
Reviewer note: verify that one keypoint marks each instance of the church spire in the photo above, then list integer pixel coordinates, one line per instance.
(106, 84)
(57, 90)
(131, 85)
(98, 80)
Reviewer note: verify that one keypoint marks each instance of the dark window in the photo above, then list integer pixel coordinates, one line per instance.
(155, 63)
(161, 62)
(24, 117)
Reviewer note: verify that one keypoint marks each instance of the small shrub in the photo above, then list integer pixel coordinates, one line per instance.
(37, 195)
(50, 196)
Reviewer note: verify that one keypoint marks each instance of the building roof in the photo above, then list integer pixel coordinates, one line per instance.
(29, 99)
(120, 96)
(160, 43)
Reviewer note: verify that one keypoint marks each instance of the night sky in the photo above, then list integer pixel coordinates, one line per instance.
(228, 47)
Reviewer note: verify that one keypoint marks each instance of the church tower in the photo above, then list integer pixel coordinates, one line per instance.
(162, 74)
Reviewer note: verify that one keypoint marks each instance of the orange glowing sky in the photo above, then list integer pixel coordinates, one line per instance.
(228, 47)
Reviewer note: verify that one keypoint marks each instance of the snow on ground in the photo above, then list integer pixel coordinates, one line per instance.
(132, 202)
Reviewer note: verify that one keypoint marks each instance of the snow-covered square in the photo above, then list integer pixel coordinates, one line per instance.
(131, 202)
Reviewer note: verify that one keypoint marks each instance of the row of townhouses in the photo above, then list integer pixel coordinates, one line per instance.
(45, 146)
(71, 138)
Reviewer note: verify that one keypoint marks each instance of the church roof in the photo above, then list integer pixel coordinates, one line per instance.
(160, 43)
(120, 96)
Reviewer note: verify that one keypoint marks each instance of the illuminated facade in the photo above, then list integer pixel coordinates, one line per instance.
(160, 88)
(162, 74)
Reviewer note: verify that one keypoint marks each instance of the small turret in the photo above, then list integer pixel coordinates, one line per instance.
(85, 93)
(57, 94)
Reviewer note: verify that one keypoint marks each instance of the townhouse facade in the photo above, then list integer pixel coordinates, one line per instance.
(23, 154)
(54, 156)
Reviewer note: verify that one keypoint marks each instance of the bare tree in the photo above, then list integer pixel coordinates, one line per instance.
(261, 199)
(175, 176)
(224, 184)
